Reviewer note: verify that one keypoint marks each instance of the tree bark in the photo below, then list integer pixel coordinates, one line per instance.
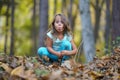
(43, 21)
(115, 19)
(98, 8)
(34, 34)
(55, 6)
(63, 6)
(70, 13)
(87, 31)
(12, 29)
(6, 29)
(107, 27)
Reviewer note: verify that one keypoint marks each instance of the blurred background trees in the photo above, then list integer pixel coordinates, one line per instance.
(23, 24)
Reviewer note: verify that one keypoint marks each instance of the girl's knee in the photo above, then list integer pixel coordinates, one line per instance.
(42, 51)
(53, 57)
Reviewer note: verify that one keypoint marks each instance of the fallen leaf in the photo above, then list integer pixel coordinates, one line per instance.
(5, 67)
(19, 71)
(66, 64)
(56, 75)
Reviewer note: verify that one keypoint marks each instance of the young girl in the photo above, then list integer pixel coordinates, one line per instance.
(59, 41)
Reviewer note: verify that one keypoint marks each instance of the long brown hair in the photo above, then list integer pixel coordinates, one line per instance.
(67, 28)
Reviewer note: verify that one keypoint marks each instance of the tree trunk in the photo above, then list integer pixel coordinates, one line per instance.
(6, 29)
(34, 40)
(70, 13)
(107, 27)
(55, 6)
(74, 17)
(43, 21)
(0, 7)
(12, 29)
(115, 19)
(63, 6)
(98, 7)
(87, 31)
(97, 20)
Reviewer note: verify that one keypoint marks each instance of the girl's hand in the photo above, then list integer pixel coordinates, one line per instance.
(59, 55)
(64, 52)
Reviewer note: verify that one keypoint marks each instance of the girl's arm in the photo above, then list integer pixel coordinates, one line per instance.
(73, 51)
(49, 44)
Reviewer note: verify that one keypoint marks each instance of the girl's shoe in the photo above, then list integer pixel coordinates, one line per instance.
(46, 61)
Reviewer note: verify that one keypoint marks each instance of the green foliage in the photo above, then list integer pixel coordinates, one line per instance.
(116, 42)
(3, 11)
(23, 47)
(39, 72)
(34, 60)
(23, 22)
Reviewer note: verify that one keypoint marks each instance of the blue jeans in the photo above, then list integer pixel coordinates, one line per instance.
(65, 45)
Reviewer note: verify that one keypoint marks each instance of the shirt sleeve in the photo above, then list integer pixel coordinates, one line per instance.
(49, 34)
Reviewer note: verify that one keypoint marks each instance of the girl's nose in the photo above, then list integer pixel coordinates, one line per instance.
(59, 23)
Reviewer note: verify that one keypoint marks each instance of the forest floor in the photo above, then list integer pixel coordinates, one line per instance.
(31, 68)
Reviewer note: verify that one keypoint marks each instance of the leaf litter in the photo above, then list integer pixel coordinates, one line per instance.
(31, 68)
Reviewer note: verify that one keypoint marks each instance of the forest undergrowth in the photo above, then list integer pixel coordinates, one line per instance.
(31, 68)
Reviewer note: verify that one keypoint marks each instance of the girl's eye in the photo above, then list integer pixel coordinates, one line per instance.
(57, 21)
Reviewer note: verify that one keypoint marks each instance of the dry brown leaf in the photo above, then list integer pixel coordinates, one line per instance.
(6, 67)
(14, 62)
(19, 71)
(36, 65)
(71, 78)
(99, 65)
(116, 76)
(29, 75)
(29, 72)
(28, 64)
(80, 66)
(56, 75)
(67, 64)
(94, 75)
(117, 50)
(2, 59)
(105, 57)
(69, 72)
(54, 65)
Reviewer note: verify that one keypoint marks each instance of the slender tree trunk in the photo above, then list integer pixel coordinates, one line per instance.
(63, 6)
(74, 17)
(34, 40)
(12, 28)
(6, 29)
(0, 7)
(70, 13)
(98, 7)
(107, 27)
(115, 19)
(55, 6)
(87, 31)
(43, 21)
(97, 20)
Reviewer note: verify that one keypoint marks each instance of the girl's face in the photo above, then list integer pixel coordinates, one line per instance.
(59, 26)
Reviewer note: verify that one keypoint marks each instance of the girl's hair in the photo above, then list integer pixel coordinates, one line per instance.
(65, 21)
